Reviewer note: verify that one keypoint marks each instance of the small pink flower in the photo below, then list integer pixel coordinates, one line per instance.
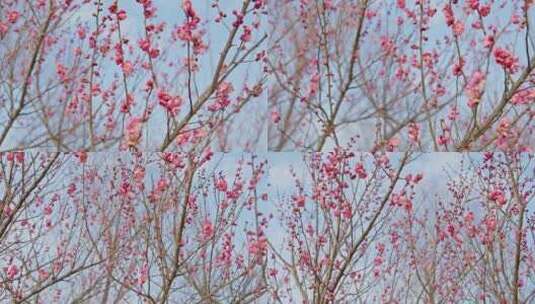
(490, 223)
(221, 184)
(506, 59)
(498, 197)
(133, 132)
(143, 274)
(82, 156)
(314, 85)
(128, 68)
(469, 217)
(458, 28)
(360, 171)
(222, 97)
(484, 10)
(525, 96)
(144, 44)
(12, 271)
(458, 67)
(121, 15)
(246, 36)
(489, 41)
(378, 261)
(81, 33)
(275, 116)
(207, 230)
(139, 173)
(258, 248)
(299, 201)
(48, 210)
(473, 4)
(154, 53)
(347, 212)
(170, 103)
(453, 114)
(448, 15)
(61, 70)
(414, 132)
(188, 9)
(13, 16)
(392, 144)
(474, 88)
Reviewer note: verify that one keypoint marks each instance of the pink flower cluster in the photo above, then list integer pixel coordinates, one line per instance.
(474, 88)
(222, 97)
(170, 103)
(189, 32)
(506, 59)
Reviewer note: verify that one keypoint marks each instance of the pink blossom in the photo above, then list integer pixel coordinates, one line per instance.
(188, 9)
(133, 132)
(81, 33)
(121, 15)
(506, 59)
(458, 28)
(498, 197)
(154, 53)
(392, 144)
(246, 36)
(458, 67)
(414, 132)
(12, 271)
(143, 274)
(139, 174)
(127, 67)
(144, 44)
(313, 87)
(448, 14)
(488, 42)
(453, 114)
(13, 16)
(222, 97)
(378, 261)
(360, 171)
(170, 103)
(469, 217)
(258, 248)
(207, 230)
(221, 184)
(524, 97)
(275, 116)
(474, 88)
(490, 223)
(82, 156)
(484, 10)
(225, 257)
(347, 211)
(61, 70)
(299, 201)
(48, 210)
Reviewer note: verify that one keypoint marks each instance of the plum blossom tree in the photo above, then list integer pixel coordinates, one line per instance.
(360, 228)
(161, 228)
(96, 75)
(336, 243)
(427, 75)
(480, 244)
